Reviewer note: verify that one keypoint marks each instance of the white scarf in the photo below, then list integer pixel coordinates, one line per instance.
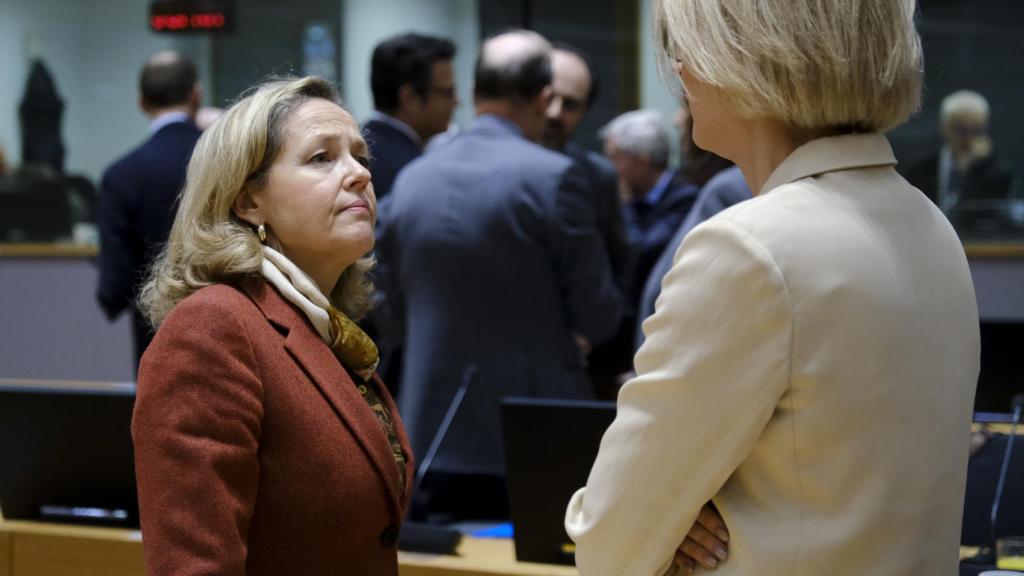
(299, 289)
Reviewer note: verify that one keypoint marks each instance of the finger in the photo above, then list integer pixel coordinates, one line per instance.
(709, 541)
(712, 521)
(698, 553)
(686, 564)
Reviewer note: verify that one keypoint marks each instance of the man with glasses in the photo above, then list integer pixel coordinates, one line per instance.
(413, 83)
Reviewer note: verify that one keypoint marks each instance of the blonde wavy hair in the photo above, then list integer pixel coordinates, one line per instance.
(208, 243)
(851, 65)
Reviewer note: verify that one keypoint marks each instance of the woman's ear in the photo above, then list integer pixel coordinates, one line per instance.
(247, 208)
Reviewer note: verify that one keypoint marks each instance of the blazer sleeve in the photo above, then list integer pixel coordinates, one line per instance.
(589, 290)
(713, 368)
(118, 252)
(196, 430)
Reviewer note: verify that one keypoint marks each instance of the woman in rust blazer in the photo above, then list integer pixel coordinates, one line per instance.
(265, 443)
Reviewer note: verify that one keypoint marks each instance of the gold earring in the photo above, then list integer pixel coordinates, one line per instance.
(261, 232)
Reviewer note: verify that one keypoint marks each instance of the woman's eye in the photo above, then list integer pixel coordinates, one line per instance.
(319, 158)
(364, 160)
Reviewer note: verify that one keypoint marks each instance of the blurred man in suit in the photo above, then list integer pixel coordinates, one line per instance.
(656, 198)
(139, 193)
(495, 262)
(574, 87)
(966, 167)
(413, 85)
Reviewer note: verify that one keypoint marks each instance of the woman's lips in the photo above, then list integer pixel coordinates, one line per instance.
(356, 206)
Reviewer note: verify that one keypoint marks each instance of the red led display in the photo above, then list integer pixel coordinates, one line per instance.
(183, 21)
(190, 15)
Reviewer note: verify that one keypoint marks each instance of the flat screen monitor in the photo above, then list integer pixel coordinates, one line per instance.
(1001, 367)
(67, 452)
(550, 446)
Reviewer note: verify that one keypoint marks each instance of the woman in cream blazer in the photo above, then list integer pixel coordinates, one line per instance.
(811, 362)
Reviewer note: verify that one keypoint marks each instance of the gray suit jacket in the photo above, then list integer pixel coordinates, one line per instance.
(491, 258)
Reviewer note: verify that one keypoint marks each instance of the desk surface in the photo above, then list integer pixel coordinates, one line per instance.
(47, 250)
(71, 250)
(42, 549)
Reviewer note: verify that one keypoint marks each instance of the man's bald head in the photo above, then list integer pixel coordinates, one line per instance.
(514, 66)
(168, 79)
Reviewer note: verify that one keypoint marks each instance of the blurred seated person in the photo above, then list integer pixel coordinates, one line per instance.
(722, 185)
(264, 441)
(413, 83)
(967, 166)
(656, 198)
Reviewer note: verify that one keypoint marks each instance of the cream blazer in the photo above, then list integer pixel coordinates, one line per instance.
(810, 368)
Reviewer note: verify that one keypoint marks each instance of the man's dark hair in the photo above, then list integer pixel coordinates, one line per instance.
(519, 80)
(167, 80)
(406, 59)
(594, 80)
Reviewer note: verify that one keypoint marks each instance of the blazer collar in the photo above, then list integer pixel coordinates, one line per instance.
(832, 154)
(406, 131)
(494, 124)
(323, 368)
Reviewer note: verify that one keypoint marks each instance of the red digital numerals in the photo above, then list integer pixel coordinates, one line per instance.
(178, 22)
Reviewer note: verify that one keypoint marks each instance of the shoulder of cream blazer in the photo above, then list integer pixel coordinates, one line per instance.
(810, 367)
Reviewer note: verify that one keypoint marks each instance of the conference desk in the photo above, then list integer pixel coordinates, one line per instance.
(43, 549)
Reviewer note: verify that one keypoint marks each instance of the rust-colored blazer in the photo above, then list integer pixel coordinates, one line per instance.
(254, 451)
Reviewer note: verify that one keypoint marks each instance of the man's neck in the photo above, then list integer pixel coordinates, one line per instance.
(183, 109)
(509, 111)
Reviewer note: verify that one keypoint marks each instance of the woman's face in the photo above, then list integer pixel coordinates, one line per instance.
(318, 202)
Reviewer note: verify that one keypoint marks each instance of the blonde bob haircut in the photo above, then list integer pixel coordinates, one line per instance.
(836, 65)
(208, 243)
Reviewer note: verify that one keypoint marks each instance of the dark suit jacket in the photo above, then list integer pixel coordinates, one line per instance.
(390, 151)
(137, 203)
(492, 259)
(604, 192)
(651, 227)
(254, 451)
(991, 178)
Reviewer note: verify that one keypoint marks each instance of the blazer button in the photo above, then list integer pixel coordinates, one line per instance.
(389, 536)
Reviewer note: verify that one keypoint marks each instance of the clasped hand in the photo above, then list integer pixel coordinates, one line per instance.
(707, 543)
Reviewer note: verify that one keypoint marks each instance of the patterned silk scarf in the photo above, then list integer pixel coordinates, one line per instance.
(353, 348)
(350, 344)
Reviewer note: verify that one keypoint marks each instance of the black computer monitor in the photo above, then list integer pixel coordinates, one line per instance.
(67, 452)
(34, 210)
(1002, 344)
(550, 446)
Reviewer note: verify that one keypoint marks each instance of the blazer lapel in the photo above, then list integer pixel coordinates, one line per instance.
(334, 383)
(403, 439)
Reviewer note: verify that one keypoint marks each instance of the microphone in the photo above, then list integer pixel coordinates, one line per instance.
(422, 536)
(468, 375)
(1017, 405)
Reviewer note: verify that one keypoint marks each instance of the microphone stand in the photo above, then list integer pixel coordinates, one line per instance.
(1018, 403)
(987, 556)
(422, 536)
